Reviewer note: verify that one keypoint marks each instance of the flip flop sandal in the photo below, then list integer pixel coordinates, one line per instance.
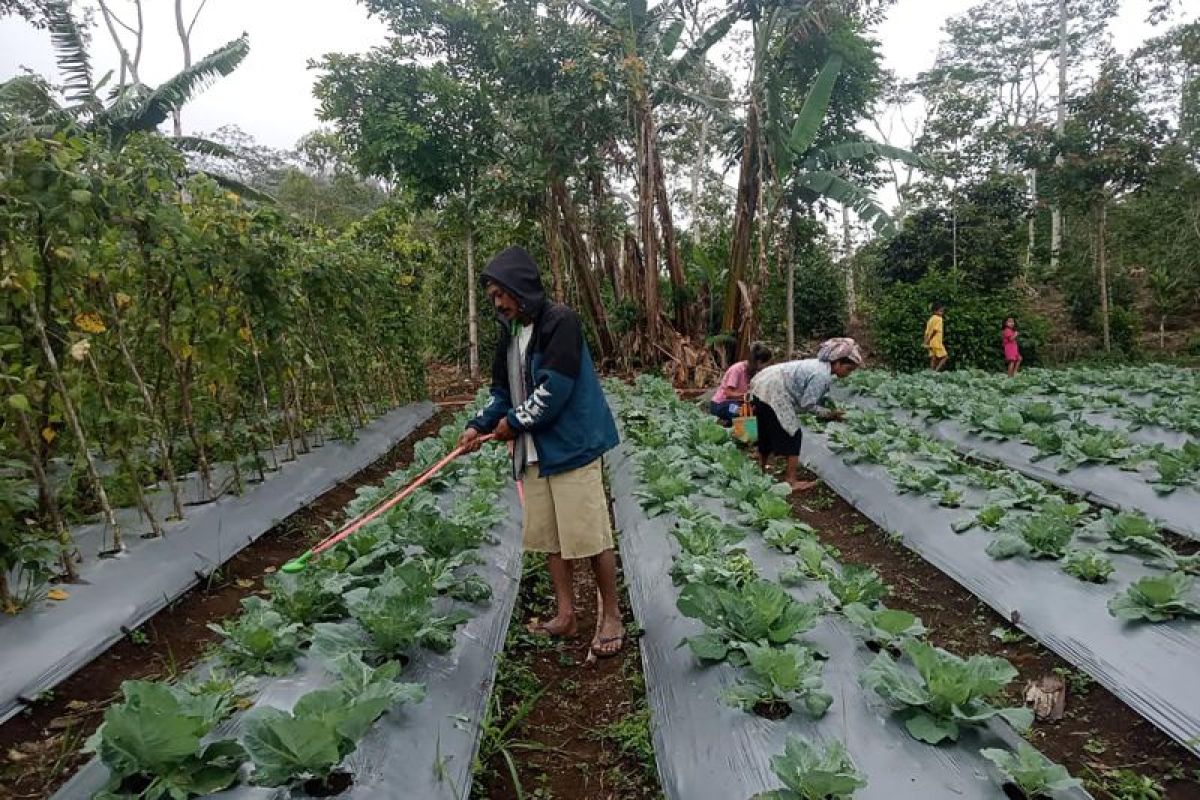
(603, 640)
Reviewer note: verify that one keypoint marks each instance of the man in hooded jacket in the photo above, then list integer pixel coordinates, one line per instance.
(546, 399)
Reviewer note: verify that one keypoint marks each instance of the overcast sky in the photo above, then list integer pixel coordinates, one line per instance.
(270, 96)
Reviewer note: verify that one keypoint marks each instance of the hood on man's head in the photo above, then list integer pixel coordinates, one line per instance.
(514, 270)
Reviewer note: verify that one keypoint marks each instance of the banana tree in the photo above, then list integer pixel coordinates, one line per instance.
(30, 107)
(647, 39)
(800, 170)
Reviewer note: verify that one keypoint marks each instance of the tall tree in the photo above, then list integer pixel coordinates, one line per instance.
(1107, 150)
(419, 111)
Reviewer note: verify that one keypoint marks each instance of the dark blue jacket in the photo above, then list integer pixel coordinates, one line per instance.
(565, 410)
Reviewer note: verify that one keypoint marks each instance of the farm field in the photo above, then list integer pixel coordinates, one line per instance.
(599, 400)
(793, 656)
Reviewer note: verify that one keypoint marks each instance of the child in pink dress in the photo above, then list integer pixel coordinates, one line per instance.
(1012, 352)
(731, 394)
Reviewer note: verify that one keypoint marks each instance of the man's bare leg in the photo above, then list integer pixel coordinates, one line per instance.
(611, 632)
(561, 575)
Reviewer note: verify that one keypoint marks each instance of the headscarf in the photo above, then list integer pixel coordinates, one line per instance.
(840, 348)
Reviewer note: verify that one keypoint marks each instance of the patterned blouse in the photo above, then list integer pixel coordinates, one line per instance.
(793, 388)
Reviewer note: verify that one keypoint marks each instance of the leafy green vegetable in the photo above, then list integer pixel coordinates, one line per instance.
(1032, 772)
(706, 535)
(394, 617)
(1156, 599)
(857, 584)
(1041, 412)
(323, 728)
(810, 564)
(787, 534)
(154, 737)
(232, 690)
(948, 692)
(260, 640)
(759, 613)
(1129, 532)
(1093, 446)
(810, 772)
(732, 569)
(309, 596)
(768, 508)
(1045, 534)
(660, 492)
(789, 674)
(886, 627)
(989, 518)
(1088, 565)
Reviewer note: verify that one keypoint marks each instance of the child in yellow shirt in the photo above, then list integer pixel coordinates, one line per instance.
(934, 330)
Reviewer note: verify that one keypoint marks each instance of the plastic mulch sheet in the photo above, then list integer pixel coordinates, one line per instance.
(707, 750)
(1151, 667)
(1105, 485)
(47, 643)
(421, 751)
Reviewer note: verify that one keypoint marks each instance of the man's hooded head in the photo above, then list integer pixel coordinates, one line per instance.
(514, 285)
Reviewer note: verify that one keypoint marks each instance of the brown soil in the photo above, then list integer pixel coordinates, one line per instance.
(587, 735)
(39, 749)
(1098, 734)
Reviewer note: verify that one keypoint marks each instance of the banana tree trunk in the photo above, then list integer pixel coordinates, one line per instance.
(76, 427)
(666, 225)
(585, 278)
(743, 221)
(649, 236)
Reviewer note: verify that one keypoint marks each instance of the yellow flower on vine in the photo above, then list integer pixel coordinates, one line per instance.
(89, 322)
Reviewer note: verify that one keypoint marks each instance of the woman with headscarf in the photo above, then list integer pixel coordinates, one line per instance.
(781, 393)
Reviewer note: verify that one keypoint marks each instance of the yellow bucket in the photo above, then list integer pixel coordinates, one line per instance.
(745, 426)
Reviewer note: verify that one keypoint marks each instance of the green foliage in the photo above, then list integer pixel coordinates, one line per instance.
(758, 613)
(857, 584)
(322, 729)
(1088, 565)
(154, 736)
(309, 596)
(1032, 772)
(392, 618)
(886, 627)
(260, 640)
(947, 693)
(1156, 599)
(989, 238)
(973, 323)
(789, 674)
(811, 772)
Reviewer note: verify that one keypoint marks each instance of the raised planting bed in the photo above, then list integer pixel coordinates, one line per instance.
(45, 644)
(1143, 663)
(1106, 483)
(400, 624)
(680, 473)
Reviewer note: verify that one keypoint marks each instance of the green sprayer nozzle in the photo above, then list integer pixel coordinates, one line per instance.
(298, 563)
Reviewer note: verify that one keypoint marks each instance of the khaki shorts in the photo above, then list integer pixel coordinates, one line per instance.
(567, 513)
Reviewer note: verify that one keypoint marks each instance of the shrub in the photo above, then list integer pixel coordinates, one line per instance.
(973, 322)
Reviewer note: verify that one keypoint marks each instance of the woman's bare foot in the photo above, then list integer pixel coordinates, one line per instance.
(803, 486)
(560, 627)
